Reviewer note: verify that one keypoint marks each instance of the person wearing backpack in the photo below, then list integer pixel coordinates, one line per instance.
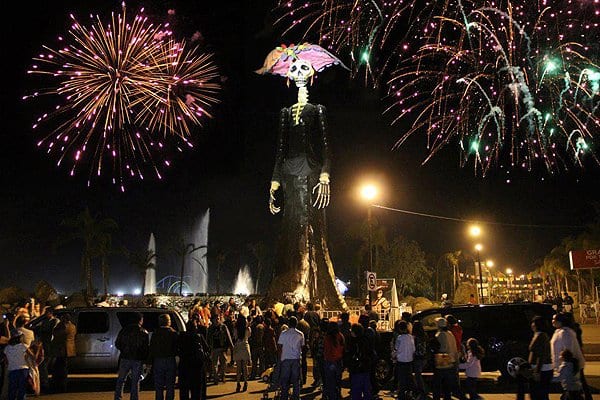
(446, 358)
(219, 341)
(420, 357)
(194, 358)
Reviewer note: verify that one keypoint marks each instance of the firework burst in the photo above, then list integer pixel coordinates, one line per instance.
(127, 93)
(514, 81)
(370, 34)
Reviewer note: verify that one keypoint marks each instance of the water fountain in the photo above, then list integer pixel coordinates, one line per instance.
(197, 262)
(150, 277)
(243, 283)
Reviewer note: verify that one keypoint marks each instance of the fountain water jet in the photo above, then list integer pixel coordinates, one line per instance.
(243, 282)
(150, 277)
(197, 263)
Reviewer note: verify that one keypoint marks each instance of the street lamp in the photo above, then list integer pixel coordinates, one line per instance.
(509, 273)
(478, 248)
(368, 193)
(490, 264)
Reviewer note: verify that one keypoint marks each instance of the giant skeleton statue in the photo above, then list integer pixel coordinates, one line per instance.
(302, 165)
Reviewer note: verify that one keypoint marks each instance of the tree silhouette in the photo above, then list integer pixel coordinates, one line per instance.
(95, 235)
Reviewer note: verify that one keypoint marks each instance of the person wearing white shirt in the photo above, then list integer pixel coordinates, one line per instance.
(564, 338)
(290, 348)
(18, 369)
(28, 335)
(405, 351)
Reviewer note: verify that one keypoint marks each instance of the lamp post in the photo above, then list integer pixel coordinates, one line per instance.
(509, 273)
(368, 193)
(490, 264)
(478, 247)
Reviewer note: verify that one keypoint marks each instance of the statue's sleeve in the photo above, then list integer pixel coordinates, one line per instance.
(280, 146)
(325, 148)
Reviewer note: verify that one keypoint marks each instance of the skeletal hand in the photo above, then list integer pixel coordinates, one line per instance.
(272, 207)
(322, 191)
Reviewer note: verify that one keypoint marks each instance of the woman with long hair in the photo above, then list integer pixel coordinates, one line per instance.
(472, 367)
(241, 351)
(333, 354)
(540, 359)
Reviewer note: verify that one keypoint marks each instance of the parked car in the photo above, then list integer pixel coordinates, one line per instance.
(503, 330)
(97, 330)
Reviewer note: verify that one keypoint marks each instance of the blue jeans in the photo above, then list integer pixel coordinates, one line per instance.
(290, 374)
(165, 372)
(360, 385)
(332, 380)
(125, 366)
(17, 383)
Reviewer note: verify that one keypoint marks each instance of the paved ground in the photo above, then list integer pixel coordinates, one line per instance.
(99, 387)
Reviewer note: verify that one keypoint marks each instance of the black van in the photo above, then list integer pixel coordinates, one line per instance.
(503, 330)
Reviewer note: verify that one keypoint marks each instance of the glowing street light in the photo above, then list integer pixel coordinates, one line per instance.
(368, 192)
(474, 230)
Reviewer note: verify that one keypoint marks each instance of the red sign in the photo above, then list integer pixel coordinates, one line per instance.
(584, 259)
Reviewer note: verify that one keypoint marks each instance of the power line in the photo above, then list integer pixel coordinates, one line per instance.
(473, 221)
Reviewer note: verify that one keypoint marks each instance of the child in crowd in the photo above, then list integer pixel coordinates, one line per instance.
(568, 375)
(472, 367)
(18, 369)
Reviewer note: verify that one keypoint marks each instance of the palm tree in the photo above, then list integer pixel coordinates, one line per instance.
(141, 261)
(94, 232)
(182, 250)
(449, 262)
(259, 251)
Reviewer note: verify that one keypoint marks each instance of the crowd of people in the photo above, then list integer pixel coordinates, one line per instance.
(34, 361)
(276, 343)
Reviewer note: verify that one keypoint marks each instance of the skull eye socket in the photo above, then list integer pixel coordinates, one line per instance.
(293, 69)
(304, 67)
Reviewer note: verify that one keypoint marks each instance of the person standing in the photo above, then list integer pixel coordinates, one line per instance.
(540, 360)
(304, 327)
(564, 338)
(161, 354)
(333, 353)
(446, 357)
(241, 351)
(256, 346)
(4, 338)
(17, 367)
(360, 358)
(269, 344)
(290, 342)
(44, 332)
(219, 341)
(420, 357)
(133, 345)
(568, 303)
(568, 375)
(28, 335)
(472, 367)
(194, 358)
(404, 349)
(62, 348)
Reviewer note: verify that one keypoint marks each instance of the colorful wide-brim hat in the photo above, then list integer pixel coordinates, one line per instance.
(280, 59)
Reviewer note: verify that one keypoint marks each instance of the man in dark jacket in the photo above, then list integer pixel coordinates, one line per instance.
(194, 360)
(132, 342)
(359, 360)
(163, 349)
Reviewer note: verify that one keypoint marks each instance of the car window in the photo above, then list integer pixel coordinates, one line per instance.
(468, 319)
(92, 322)
(150, 319)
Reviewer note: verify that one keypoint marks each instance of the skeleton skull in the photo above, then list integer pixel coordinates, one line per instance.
(300, 71)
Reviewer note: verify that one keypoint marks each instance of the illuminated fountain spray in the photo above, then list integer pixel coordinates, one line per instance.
(197, 263)
(150, 277)
(243, 282)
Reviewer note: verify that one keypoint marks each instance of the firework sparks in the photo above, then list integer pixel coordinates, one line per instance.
(510, 80)
(128, 92)
(515, 80)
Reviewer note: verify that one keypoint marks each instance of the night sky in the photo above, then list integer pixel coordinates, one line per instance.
(230, 167)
